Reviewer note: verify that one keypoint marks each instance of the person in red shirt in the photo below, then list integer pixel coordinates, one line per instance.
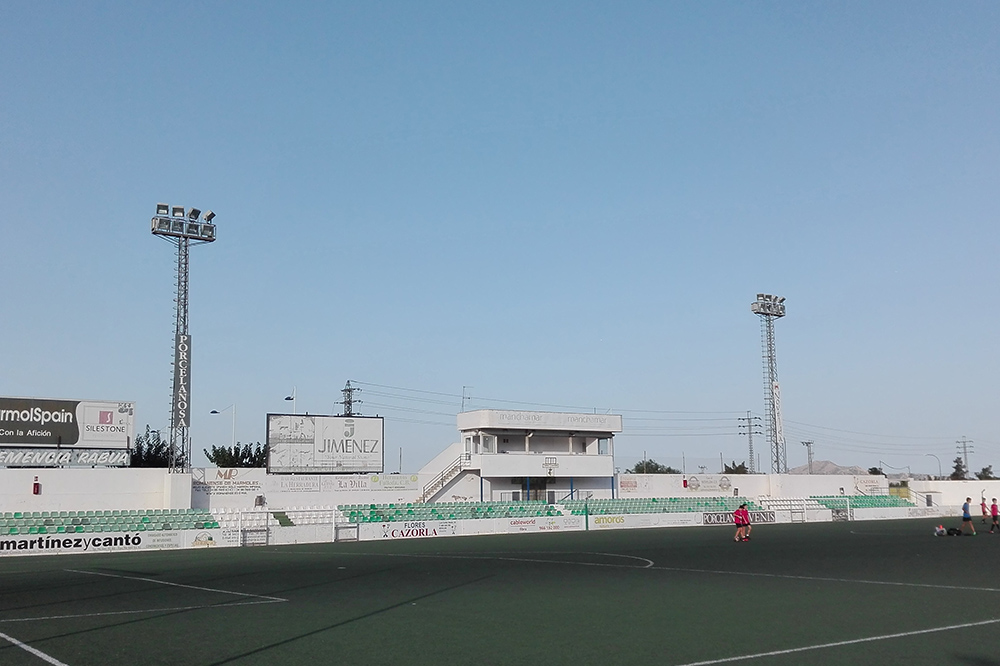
(742, 519)
(994, 510)
(746, 522)
(741, 525)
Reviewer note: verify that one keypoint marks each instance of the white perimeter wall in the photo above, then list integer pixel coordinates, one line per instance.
(238, 488)
(93, 489)
(104, 489)
(953, 493)
(748, 485)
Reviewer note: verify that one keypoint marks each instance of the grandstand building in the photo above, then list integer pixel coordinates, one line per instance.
(522, 456)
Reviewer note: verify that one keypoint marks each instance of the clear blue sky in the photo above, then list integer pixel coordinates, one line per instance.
(565, 205)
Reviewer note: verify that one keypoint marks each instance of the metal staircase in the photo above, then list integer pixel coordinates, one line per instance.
(452, 470)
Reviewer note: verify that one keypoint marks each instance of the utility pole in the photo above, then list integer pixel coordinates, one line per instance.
(349, 401)
(809, 453)
(964, 446)
(751, 425)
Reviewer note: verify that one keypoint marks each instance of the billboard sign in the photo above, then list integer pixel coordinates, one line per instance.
(306, 444)
(74, 423)
(52, 457)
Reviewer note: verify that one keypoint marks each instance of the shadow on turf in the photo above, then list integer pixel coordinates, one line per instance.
(157, 615)
(373, 613)
(977, 661)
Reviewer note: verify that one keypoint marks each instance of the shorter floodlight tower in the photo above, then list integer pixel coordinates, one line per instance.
(182, 229)
(769, 308)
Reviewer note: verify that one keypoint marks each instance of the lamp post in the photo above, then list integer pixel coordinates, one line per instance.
(292, 398)
(938, 462)
(232, 407)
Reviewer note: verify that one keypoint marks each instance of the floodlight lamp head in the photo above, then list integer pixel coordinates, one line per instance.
(194, 214)
(162, 209)
(209, 216)
(177, 211)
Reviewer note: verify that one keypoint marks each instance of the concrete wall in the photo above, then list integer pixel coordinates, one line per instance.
(953, 493)
(239, 488)
(534, 464)
(748, 485)
(439, 462)
(93, 489)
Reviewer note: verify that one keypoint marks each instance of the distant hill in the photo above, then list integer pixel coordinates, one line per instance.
(828, 467)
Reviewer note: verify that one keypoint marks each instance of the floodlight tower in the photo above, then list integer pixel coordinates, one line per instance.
(769, 308)
(182, 229)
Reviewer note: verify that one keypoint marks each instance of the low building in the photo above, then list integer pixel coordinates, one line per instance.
(517, 455)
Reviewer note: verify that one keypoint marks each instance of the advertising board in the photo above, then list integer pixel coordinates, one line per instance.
(51, 457)
(30, 422)
(58, 544)
(307, 444)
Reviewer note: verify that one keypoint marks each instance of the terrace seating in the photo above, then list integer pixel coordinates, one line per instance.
(862, 501)
(793, 503)
(724, 504)
(398, 512)
(131, 520)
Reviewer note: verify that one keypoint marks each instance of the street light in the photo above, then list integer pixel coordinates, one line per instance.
(232, 407)
(938, 462)
(292, 398)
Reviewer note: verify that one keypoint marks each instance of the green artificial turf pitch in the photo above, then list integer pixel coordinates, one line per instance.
(795, 594)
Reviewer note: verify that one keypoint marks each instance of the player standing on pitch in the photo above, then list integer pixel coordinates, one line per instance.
(967, 516)
(740, 526)
(742, 519)
(746, 522)
(994, 511)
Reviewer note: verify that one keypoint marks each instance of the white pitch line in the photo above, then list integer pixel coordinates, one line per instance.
(855, 641)
(824, 579)
(137, 612)
(190, 587)
(651, 566)
(27, 648)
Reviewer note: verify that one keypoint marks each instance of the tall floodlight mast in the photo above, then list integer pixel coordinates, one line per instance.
(182, 229)
(769, 308)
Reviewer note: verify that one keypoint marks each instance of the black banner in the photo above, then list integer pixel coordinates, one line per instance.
(39, 422)
(720, 518)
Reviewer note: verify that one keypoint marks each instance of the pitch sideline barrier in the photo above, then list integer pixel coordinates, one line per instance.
(64, 544)
(114, 542)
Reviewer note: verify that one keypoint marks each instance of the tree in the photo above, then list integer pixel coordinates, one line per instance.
(652, 467)
(735, 469)
(986, 474)
(238, 456)
(150, 450)
(876, 471)
(960, 471)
